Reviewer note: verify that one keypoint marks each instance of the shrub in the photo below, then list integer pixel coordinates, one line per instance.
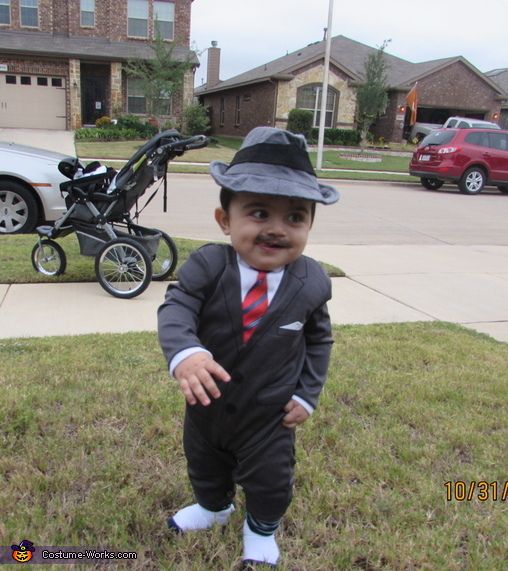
(106, 134)
(300, 122)
(347, 137)
(196, 120)
(144, 130)
(103, 121)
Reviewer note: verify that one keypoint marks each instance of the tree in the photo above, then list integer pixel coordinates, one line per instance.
(372, 96)
(195, 120)
(160, 77)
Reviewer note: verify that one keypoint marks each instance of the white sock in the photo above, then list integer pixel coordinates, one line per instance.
(196, 517)
(259, 548)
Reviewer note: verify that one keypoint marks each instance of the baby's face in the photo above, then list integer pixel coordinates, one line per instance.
(268, 232)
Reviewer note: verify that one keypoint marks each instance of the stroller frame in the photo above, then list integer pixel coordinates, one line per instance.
(127, 256)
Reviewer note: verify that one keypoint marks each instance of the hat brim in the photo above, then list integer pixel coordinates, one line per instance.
(276, 180)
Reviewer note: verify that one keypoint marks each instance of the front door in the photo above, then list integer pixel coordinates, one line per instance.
(93, 98)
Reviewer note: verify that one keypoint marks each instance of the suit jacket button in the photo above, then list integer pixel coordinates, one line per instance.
(230, 408)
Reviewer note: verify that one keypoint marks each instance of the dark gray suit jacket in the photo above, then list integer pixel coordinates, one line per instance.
(287, 355)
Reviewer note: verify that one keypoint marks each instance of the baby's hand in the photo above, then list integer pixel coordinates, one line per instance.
(197, 373)
(296, 414)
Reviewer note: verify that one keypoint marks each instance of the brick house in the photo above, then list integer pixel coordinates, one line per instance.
(61, 60)
(265, 95)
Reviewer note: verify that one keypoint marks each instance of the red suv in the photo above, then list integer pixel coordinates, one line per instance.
(471, 158)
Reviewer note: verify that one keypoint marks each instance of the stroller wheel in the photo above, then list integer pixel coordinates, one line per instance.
(165, 259)
(48, 258)
(123, 268)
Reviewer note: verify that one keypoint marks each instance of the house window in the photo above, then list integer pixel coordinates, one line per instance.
(136, 101)
(11, 79)
(26, 80)
(222, 112)
(56, 82)
(237, 111)
(163, 19)
(309, 97)
(5, 11)
(29, 13)
(137, 13)
(88, 13)
(42, 81)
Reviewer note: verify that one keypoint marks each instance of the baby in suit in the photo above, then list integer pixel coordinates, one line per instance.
(247, 336)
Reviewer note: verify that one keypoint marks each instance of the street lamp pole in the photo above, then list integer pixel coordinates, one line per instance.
(324, 91)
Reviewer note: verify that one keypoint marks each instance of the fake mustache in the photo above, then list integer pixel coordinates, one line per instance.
(272, 242)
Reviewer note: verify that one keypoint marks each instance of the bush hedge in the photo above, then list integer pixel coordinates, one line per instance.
(346, 137)
(300, 122)
(127, 127)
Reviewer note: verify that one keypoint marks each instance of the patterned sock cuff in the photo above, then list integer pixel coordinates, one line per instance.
(262, 527)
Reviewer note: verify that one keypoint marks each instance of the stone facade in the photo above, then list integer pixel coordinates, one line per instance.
(287, 90)
(61, 19)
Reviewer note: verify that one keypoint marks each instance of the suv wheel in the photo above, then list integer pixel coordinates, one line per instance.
(473, 181)
(18, 208)
(431, 183)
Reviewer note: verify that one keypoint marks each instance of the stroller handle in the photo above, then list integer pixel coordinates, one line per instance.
(182, 145)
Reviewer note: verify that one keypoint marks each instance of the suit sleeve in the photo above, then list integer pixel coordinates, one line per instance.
(319, 340)
(178, 316)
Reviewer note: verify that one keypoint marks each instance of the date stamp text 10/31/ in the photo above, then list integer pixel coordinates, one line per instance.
(481, 490)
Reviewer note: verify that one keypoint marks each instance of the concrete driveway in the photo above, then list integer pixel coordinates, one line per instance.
(58, 141)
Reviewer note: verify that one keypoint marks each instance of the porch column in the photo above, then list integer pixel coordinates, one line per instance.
(75, 93)
(116, 89)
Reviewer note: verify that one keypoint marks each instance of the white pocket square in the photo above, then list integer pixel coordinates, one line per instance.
(295, 326)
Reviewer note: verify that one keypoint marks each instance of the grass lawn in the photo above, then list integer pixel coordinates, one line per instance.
(16, 265)
(91, 432)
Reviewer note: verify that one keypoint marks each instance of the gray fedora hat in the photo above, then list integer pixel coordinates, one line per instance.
(273, 161)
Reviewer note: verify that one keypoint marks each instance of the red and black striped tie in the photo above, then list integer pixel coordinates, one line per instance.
(254, 306)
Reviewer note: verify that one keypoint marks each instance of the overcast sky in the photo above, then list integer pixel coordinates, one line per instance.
(254, 32)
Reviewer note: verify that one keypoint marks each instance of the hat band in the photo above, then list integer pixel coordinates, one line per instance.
(289, 156)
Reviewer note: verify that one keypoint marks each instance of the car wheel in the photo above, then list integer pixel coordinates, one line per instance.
(472, 181)
(431, 183)
(503, 189)
(18, 208)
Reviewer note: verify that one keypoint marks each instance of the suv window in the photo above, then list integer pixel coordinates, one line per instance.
(499, 141)
(463, 125)
(480, 139)
(438, 138)
(451, 123)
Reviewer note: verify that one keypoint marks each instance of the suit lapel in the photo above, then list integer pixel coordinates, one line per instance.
(231, 292)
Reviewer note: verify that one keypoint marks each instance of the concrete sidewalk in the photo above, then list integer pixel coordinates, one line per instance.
(467, 285)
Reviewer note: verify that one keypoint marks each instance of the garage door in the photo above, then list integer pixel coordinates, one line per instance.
(32, 101)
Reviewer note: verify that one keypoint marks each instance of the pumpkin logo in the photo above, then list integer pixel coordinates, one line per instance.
(23, 552)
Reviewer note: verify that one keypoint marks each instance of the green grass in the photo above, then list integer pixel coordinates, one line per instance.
(16, 265)
(91, 432)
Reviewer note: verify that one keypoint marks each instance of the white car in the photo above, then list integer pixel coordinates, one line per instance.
(468, 123)
(29, 187)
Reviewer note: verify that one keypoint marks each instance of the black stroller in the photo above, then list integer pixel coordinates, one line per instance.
(127, 256)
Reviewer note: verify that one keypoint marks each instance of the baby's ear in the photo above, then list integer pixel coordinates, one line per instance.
(222, 218)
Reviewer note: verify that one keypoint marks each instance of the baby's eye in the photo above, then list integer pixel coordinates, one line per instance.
(296, 218)
(259, 214)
